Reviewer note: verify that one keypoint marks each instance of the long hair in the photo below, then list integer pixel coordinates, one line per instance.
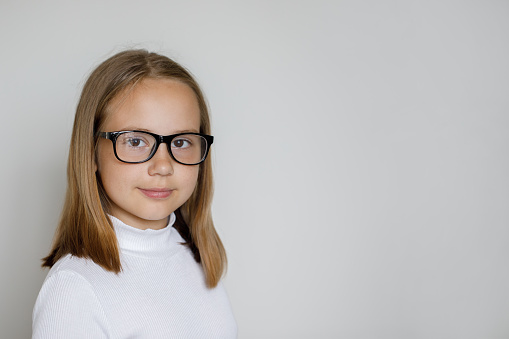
(84, 228)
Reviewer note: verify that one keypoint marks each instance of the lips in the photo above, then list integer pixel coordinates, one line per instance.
(156, 193)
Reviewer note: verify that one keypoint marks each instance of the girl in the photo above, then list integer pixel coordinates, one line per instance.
(136, 254)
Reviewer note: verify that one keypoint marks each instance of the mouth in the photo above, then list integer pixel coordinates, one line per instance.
(156, 193)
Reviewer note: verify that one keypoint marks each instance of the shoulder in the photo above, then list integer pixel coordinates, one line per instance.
(70, 263)
(67, 304)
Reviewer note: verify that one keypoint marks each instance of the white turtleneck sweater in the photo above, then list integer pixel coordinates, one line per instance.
(160, 293)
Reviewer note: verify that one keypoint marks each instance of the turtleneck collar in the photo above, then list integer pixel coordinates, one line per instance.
(149, 242)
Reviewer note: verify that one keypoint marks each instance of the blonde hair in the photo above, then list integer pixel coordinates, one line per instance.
(84, 229)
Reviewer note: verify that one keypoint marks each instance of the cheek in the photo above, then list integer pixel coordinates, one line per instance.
(104, 154)
(110, 179)
(189, 178)
(110, 171)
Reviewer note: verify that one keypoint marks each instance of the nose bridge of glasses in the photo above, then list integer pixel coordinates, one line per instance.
(165, 140)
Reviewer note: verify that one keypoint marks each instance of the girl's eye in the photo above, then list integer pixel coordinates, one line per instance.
(135, 142)
(180, 143)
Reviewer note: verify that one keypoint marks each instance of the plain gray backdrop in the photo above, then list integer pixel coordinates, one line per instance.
(361, 154)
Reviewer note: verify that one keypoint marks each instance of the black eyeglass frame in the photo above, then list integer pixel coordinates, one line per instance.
(167, 139)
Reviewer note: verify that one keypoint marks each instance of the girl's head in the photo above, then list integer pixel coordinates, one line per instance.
(153, 184)
(137, 90)
(106, 105)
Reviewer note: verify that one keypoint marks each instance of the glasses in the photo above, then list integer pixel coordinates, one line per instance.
(135, 147)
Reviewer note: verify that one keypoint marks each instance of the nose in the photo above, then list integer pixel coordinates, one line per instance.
(161, 163)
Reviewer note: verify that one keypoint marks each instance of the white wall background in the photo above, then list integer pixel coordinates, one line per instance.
(362, 171)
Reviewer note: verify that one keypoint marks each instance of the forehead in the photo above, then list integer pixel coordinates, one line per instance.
(162, 106)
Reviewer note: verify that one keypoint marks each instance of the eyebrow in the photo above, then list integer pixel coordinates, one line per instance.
(131, 128)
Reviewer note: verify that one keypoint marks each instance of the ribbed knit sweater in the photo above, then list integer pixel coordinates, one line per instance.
(160, 293)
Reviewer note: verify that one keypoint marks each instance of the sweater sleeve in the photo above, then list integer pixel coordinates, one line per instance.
(67, 307)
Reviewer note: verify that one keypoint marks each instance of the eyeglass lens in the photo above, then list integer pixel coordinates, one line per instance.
(138, 146)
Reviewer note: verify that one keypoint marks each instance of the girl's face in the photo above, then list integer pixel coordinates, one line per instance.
(144, 195)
